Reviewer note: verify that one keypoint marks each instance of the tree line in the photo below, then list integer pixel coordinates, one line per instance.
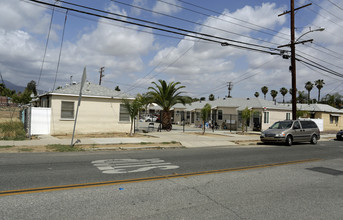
(19, 97)
(334, 100)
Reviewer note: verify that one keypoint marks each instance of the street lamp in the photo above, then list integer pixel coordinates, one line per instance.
(318, 29)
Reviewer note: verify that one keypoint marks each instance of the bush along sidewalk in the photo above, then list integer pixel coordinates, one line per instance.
(12, 131)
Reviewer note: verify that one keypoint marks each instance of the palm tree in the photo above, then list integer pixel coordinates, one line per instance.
(273, 93)
(319, 84)
(308, 87)
(283, 92)
(133, 108)
(264, 90)
(257, 94)
(166, 96)
(301, 96)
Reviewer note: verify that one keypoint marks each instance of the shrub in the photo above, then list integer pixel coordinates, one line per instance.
(12, 130)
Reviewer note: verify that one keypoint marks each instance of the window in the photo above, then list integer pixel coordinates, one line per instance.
(123, 113)
(288, 116)
(220, 114)
(333, 119)
(67, 110)
(266, 118)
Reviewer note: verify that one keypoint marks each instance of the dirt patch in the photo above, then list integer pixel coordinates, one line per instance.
(145, 145)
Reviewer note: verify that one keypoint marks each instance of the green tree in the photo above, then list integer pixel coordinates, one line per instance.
(202, 98)
(205, 111)
(334, 100)
(308, 87)
(211, 97)
(22, 98)
(246, 115)
(166, 96)
(319, 84)
(145, 100)
(301, 96)
(31, 86)
(273, 93)
(257, 94)
(283, 92)
(264, 90)
(133, 107)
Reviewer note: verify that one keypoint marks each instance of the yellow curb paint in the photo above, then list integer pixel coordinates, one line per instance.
(116, 182)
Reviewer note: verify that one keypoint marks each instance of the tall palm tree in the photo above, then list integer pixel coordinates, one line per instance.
(166, 96)
(257, 94)
(273, 93)
(308, 87)
(319, 84)
(283, 92)
(264, 90)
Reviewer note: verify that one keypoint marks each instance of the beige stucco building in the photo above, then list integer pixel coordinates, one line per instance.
(227, 113)
(100, 111)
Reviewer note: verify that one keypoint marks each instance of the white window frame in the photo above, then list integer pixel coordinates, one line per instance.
(266, 118)
(65, 109)
(288, 116)
(124, 115)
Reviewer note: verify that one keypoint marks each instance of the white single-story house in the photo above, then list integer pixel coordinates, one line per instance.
(101, 110)
(227, 113)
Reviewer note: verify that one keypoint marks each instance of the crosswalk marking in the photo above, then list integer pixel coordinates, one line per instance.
(117, 166)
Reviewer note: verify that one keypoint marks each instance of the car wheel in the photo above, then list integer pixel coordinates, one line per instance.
(314, 139)
(289, 140)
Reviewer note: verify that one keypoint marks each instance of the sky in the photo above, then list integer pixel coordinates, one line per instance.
(135, 56)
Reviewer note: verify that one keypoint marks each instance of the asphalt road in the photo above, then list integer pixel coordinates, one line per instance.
(305, 190)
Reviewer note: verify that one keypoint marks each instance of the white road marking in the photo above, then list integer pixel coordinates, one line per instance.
(116, 166)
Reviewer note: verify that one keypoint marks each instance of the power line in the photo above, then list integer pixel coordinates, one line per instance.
(197, 12)
(336, 5)
(192, 22)
(46, 46)
(59, 56)
(163, 25)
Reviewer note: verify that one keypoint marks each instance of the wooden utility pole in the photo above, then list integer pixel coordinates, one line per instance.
(229, 88)
(102, 69)
(293, 63)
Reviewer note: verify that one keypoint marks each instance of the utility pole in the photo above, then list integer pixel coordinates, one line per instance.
(102, 69)
(293, 63)
(229, 88)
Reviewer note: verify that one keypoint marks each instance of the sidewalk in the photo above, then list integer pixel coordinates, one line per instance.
(191, 138)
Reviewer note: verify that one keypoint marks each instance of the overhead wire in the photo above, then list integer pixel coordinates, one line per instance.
(189, 21)
(60, 53)
(162, 25)
(339, 7)
(208, 15)
(46, 46)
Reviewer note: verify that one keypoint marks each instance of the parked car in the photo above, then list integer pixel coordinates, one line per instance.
(150, 119)
(290, 131)
(339, 135)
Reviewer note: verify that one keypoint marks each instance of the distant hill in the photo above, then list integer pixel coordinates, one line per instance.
(14, 87)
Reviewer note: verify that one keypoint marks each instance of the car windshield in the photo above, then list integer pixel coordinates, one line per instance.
(282, 125)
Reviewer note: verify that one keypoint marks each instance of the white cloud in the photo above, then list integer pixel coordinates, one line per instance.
(166, 8)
